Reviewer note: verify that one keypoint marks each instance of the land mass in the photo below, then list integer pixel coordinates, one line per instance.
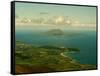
(55, 32)
(39, 59)
(60, 32)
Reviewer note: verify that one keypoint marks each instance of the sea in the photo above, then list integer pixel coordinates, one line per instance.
(82, 38)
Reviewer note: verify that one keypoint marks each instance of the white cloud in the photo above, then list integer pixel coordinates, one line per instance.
(52, 21)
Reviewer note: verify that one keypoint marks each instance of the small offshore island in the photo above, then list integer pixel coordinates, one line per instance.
(60, 32)
(41, 59)
(55, 32)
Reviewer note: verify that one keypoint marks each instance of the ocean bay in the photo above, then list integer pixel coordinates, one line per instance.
(85, 40)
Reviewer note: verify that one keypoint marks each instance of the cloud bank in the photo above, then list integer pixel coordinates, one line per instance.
(52, 21)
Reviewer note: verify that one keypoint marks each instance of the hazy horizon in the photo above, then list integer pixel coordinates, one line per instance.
(46, 15)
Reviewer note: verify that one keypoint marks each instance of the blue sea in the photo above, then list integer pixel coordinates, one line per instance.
(84, 39)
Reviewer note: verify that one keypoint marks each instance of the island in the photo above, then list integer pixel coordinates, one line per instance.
(55, 32)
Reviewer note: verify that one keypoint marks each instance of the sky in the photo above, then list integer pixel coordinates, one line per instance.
(48, 14)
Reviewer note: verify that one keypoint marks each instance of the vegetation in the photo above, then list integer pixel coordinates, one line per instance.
(33, 59)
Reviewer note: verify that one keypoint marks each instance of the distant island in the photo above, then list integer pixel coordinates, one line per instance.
(55, 32)
(60, 32)
(45, 58)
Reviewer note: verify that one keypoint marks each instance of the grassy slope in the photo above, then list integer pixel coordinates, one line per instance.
(31, 59)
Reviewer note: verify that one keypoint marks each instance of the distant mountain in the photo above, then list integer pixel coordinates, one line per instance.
(55, 32)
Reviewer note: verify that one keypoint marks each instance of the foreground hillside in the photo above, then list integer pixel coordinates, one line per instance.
(37, 59)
